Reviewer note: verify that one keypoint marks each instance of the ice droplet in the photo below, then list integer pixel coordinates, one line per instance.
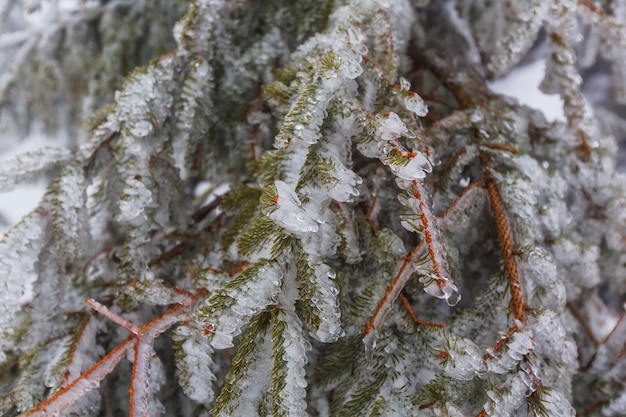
(415, 104)
(369, 341)
(443, 289)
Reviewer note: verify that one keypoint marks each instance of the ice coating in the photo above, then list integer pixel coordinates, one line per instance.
(289, 212)
(415, 104)
(325, 300)
(464, 359)
(416, 168)
(519, 344)
(241, 301)
(444, 290)
(392, 127)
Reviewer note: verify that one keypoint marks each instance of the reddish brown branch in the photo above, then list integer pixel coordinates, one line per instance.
(506, 244)
(79, 334)
(90, 379)
(393, 291)
(503, 147)
(372, 213)
(140, 378)
(414, 317)
(102, 309)
(590, 5)
(501, 342)
(430, 235)
(592, 407)
(612, 332)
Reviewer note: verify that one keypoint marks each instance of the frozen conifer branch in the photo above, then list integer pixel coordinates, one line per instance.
(280, 161)
(140, 340)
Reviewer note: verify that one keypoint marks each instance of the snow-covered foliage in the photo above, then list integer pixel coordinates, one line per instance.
(323, 201)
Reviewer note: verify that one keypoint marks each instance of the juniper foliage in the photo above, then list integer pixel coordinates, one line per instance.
(312, 208)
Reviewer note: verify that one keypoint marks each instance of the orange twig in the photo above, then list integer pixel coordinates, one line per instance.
(370, 217)
(238, 268)
(89, 380)
(414, 317)
(590, 5)
(102, 309)
(506, 244)
(501, 342)
(393, 291)
(438, 260)
(503, 147)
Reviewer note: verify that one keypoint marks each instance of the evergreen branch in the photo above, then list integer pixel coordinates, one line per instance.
(312, 236)
(72, 356)
(400, 280)
(87, 381)
(30, 165)
(91, 378)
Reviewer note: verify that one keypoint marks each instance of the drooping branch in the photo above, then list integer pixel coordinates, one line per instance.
(406, 270)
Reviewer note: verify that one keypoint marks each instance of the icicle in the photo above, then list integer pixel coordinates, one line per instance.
(439, 284)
